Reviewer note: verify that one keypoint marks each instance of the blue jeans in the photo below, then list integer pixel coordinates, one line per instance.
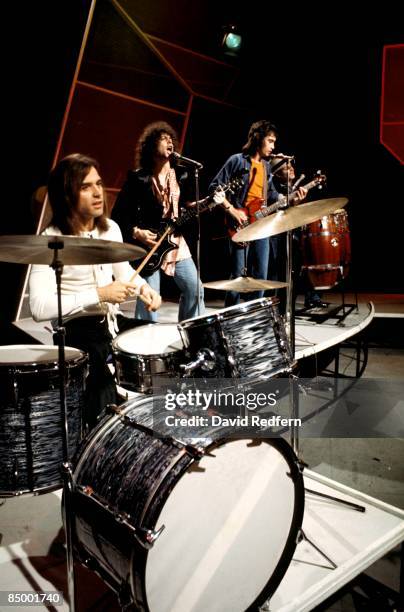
(257, 253)
(185, 277)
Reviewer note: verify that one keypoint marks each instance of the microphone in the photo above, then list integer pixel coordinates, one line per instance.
(281, 156)
(186, 160)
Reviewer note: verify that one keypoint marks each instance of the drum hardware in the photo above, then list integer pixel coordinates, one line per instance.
(145, 537)
(302, 536)
(205, 360)
(113, 409)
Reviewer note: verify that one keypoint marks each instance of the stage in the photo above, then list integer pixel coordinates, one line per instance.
(32, 554)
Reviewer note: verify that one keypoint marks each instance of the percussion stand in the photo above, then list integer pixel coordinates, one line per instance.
(293, 385)
(57, 266)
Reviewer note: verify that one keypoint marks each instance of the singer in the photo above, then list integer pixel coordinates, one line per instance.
(257, 187)
(154, 191)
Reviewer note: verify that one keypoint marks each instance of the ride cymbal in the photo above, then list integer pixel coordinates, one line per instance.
(288, 219)
(31, 249)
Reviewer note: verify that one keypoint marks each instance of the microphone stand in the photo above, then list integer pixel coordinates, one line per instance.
(198, 240)
(57, 266)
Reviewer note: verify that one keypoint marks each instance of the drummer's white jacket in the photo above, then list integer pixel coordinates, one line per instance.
(79, 284)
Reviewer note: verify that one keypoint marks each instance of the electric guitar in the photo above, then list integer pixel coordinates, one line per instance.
(257, 210)
(153, 260)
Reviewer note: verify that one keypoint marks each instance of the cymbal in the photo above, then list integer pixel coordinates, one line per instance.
(245, 284)
(285, 220)
(31, 249)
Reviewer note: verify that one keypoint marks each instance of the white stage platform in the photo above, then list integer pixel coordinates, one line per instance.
(313, 337)
(353, 540)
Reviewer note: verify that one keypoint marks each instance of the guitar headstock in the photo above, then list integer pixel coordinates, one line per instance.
(234, 183)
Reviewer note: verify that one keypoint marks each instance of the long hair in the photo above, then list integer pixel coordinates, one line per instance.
(64, 186)
(256, 135)
(147, 143)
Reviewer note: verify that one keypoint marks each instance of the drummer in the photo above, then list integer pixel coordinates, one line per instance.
(90, 293)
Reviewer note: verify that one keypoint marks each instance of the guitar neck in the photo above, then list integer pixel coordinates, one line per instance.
(192, 213)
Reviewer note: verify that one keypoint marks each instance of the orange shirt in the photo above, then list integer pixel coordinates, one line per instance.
(257, 178)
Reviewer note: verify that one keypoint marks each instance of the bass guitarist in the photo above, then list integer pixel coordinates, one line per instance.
(258, 188)
(151, 194)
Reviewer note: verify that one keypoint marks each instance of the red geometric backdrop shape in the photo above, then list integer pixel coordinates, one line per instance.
(392, 101)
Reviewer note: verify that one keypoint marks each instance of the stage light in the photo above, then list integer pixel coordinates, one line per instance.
(232, 40)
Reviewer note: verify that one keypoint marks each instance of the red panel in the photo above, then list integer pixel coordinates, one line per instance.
(107, 127)
(392, 104)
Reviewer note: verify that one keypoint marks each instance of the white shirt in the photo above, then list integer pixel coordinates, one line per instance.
(79, 283)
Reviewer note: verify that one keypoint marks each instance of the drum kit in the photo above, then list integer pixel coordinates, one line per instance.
(142, 509)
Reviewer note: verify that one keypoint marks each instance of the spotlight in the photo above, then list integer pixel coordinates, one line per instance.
(231, 41)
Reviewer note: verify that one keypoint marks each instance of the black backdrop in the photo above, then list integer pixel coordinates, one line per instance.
(316, 76)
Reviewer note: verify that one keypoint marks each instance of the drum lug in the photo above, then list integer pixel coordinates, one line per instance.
(196, 452)
(113, 408)
(147, 537)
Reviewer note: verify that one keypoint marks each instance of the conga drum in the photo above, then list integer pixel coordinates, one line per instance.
(326, 250)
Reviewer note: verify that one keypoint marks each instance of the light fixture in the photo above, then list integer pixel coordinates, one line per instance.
(232, 40)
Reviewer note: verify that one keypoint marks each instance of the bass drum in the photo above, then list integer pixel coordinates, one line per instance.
(326, 250)
(193, 524)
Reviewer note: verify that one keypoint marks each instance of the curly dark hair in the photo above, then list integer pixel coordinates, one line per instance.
(256, 135)
(64, 186)
(147, 142)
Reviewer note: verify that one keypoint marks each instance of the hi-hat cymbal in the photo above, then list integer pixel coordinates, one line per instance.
(245, 284)
(285, 220)
(76, 251)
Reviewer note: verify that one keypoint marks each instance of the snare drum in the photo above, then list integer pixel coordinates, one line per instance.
(30, 416)
(245, 341)
(170, 526)
(326, 248)
(145, 352)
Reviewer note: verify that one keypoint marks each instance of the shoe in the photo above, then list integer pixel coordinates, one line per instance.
(308, 304)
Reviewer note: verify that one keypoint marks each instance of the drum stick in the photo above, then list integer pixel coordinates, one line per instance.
(149, 254)
(144, 300)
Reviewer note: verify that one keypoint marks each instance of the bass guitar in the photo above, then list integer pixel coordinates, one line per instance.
(154, 258)
(256, 209)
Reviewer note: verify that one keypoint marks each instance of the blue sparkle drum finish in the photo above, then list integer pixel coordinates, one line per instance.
(30, 416)
(193, 523)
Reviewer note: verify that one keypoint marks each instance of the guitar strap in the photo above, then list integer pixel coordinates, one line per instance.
(265, 185)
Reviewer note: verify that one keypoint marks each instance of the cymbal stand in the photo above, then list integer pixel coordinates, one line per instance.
(293, 384)
(57, 266)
